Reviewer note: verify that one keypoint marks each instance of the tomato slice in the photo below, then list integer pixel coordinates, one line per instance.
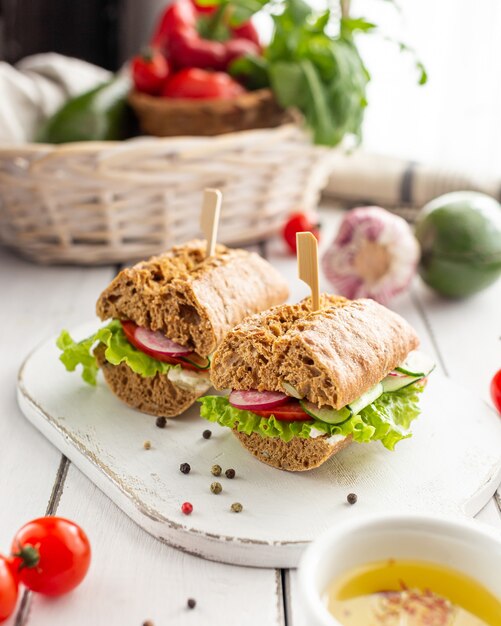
(289, 412)
(129, 329)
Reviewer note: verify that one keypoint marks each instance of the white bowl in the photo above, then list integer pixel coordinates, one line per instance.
(464, 545)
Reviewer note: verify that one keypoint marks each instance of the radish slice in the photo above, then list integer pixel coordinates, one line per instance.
(154, 340)
(257, 400)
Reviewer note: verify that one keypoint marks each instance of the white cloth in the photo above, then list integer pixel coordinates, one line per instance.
(36, 87)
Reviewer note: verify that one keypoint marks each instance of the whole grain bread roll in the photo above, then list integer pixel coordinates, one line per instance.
(155, 395)
(331, 356)
(296, 455)
(194, 300)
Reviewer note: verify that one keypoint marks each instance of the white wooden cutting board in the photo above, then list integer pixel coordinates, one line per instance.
(452, 464)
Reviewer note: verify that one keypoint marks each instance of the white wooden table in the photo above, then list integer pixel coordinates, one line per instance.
(133, 577)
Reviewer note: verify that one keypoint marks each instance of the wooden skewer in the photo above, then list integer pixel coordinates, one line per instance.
(209, 218)
(307, 264)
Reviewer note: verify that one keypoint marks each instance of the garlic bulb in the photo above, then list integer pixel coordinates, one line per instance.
(374, 255)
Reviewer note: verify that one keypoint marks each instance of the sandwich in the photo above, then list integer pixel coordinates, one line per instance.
(305, 384)
(167, 316)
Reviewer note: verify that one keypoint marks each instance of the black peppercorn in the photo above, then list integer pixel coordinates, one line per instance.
(185, 468)
(207, 434)
(161, 422)
(230, 473)
(352, 498)
(191, 603)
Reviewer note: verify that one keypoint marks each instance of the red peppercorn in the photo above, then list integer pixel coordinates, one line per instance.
(187, 508)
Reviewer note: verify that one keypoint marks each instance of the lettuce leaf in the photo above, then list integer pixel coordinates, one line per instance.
(118, 350)
(387, 419)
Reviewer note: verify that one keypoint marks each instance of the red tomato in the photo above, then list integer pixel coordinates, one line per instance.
(149, 72)
(201, 84)
(51, 555)
(129, 329)
(299, 223)
(8, 588)
(496, 390)
(289, 412)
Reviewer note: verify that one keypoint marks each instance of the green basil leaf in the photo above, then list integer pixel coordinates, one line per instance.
(251, 71)
(288, 84)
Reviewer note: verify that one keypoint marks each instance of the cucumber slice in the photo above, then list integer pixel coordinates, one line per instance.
(394, 383)
(291, 391)
(325, 414)
(202, 362)
(416, 364)
(367, 398)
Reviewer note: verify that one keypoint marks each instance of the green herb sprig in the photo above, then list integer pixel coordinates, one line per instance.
(312, 64)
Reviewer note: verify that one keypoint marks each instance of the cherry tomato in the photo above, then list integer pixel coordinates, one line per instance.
(149, 72)
(289, 412)
(299, 223)
(8, 588)
(202, 84)
(129, 329)
(496, 390)
(51, 555)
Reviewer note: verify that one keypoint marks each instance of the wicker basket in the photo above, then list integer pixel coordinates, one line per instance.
(94, 203)
(168, 117)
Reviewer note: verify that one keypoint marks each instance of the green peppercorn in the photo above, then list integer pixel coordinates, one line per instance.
(236, 507)
(216, 470)
(216, 487)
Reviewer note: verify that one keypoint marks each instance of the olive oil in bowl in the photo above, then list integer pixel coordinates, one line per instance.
(410, 593)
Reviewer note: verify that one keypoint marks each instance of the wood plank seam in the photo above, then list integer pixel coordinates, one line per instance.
(23, 612)
(280, 598)
(422, 313)
(57, 488)
(262, 247)
(287, 608)
(497, 500)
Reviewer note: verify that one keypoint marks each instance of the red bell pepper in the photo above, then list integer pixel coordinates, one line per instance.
(248, 31)
(178, 37)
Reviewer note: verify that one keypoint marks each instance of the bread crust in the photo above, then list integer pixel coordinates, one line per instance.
(297, 455)
(192, 299)
(155, 395)
(330, 356)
